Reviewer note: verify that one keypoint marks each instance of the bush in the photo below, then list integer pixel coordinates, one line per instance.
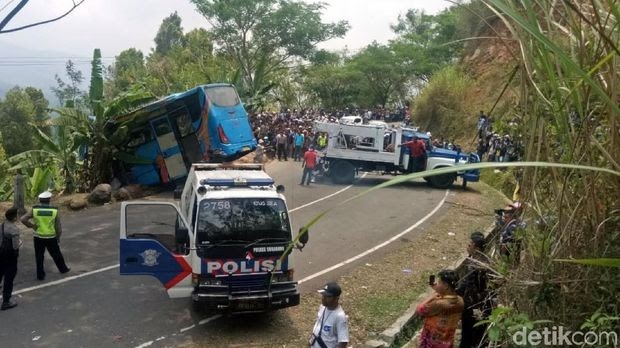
(444, 105)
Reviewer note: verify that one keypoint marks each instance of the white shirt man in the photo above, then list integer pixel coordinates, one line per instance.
(331, 329)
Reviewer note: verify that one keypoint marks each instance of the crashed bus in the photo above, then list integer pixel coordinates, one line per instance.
(160, 141)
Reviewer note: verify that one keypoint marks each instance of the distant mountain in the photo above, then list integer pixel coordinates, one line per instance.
(24, 67)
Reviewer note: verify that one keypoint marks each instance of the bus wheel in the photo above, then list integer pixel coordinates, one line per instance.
(442, 181)
(342, 172)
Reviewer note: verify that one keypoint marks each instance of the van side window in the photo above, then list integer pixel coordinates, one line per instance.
(158, 222)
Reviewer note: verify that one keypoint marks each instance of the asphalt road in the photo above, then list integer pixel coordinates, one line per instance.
(93, 306)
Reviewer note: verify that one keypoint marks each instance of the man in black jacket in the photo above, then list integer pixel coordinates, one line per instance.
(9, 252)
(473, 288)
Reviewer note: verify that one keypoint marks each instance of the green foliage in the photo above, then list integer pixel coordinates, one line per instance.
(429, 41)
(169, 35)
(334, 85)
(600, 322)
(128, 69)
(95, 94)
(40, 103)
(69, 93)
(445, 99)
(260, 36)
(16, 111)
(505, 321)
(39, 181)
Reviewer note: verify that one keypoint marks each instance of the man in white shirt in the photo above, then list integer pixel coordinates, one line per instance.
(331, 329)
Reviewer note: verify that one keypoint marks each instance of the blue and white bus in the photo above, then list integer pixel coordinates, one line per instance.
(162, 139)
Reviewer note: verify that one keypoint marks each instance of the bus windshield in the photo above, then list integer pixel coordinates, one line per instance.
(242, 219)
(223, 96)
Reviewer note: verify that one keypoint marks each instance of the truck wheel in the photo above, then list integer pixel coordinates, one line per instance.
(464, 183)
(442, 181)
(342, 172)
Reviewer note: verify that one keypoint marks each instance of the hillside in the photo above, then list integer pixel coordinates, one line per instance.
(449, 105)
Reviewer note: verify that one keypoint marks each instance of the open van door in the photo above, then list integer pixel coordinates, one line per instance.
(155, 240)
(169, 147)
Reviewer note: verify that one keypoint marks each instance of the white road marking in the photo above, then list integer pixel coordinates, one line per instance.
(146, 344)
(324, 198)
(64, 280)
(379, 246)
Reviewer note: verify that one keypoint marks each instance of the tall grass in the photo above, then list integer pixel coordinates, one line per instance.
(446, 98)
(569, 104)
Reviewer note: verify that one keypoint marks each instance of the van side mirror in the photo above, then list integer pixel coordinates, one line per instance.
(280, 189)
(303, 237)
(178, 192)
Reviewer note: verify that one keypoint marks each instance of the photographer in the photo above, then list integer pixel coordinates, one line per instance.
(441, 312)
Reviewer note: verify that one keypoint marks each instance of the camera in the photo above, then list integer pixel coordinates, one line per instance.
(431, 280)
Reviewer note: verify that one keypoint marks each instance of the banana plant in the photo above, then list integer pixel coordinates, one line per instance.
(59, 151)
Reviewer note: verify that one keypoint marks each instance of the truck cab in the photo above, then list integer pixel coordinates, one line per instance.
(227, 244)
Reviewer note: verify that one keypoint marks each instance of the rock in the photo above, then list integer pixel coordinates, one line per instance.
(375, 344)
(78, 203)
(135, 191)
(122, 194)
(116, 184)
(101, 194)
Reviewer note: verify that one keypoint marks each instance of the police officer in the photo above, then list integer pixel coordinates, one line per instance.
(47, 232)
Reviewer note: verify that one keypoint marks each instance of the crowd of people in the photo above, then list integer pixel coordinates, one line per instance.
(497, 148)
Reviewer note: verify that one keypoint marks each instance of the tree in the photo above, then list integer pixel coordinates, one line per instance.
(169, 35)
(335, 83)
(69, 93)
(260, 36)
(429, 41)
(40, 103)
(128, 68)
(386, 73)
(16, 111)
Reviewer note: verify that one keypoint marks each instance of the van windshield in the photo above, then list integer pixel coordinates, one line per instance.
(242, 219)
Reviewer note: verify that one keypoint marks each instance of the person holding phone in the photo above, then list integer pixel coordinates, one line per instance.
(441, 312)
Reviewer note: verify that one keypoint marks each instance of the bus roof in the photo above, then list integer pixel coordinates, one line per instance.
(158, 104)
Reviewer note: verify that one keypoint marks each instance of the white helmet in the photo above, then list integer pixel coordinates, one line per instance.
(45, 195)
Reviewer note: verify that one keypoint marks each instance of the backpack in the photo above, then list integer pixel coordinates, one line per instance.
(6, 244)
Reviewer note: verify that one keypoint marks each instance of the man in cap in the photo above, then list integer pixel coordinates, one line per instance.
(512, 221)
(331, 329)
(47, 232)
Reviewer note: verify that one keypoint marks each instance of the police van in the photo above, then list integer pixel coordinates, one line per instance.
(227, 245)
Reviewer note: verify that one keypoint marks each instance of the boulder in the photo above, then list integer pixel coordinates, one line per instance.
(122, 195)
(101, 194)
(135, 191)
(78, 203)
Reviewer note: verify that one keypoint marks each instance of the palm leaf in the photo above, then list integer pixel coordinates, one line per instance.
(603, 262)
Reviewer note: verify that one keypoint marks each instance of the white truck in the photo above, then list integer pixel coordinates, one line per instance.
(225, 245)
(354, 147)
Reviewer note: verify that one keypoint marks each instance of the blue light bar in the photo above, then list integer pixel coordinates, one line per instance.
(237, 182)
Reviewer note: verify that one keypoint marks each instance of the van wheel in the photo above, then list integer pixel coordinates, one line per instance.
(442, 181)
(342, 172)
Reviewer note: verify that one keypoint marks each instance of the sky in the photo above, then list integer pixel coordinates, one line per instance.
(115, 25)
